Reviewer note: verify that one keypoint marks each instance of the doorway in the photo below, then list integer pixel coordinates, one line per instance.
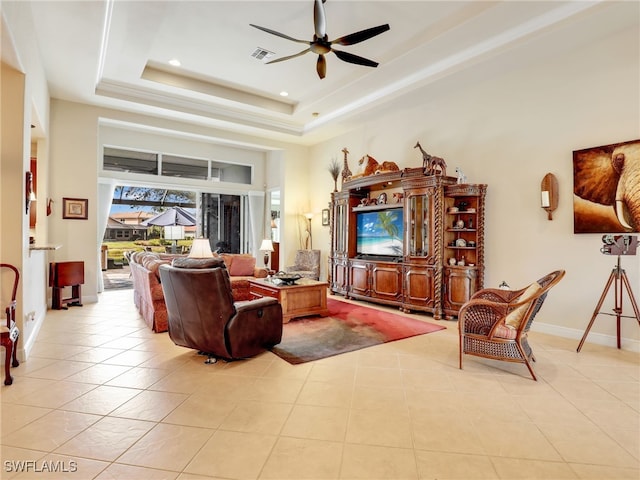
(222, 220)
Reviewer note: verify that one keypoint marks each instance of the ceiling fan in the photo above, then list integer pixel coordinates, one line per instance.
(322, 45)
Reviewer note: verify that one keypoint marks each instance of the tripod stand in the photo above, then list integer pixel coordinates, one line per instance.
(619, 277)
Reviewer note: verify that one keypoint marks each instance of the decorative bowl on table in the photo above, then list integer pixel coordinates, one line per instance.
(285, 278)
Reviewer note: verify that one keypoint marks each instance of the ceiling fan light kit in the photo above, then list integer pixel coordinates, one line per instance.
(321, 45)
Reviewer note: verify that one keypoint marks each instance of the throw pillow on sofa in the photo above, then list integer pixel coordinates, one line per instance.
(242, 266)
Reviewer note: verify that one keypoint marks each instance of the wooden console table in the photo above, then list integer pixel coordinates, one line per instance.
(306, 297)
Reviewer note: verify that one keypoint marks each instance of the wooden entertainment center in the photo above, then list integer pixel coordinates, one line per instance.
(432, 260)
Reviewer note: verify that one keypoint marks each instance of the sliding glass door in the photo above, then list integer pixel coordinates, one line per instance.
(223, 222)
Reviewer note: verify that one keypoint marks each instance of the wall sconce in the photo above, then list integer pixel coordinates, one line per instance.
(30, 196)
(549, 194)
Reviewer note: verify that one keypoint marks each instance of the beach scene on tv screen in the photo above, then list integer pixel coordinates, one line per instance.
(380, 232)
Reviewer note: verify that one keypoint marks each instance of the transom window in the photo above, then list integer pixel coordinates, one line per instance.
(147, 163)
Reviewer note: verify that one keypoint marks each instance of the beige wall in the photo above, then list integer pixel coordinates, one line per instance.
(508, 132)
(15, 111)
(25, 102)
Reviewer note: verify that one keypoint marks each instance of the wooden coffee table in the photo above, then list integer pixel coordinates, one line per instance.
(306, 297)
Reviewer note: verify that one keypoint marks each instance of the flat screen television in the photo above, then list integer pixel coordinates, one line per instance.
(380, 233)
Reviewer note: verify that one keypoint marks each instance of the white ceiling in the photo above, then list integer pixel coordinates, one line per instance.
(96, 52)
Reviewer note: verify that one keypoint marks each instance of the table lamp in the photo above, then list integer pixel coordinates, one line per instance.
(266, 246)
(200, 248)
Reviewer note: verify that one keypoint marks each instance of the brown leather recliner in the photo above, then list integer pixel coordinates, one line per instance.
(203, 316)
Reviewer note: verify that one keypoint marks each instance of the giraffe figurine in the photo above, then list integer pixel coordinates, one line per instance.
(346, 173)
(432, 165)
(426, 159)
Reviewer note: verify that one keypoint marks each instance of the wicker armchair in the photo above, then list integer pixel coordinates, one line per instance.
(495, 323)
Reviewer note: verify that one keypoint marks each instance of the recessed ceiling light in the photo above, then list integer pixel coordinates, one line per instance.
(284, 94)
(175, 62)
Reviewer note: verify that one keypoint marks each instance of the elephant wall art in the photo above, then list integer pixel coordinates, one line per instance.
(606, 188)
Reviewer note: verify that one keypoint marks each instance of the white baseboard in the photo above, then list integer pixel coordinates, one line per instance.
(24, 350)
(593, 337)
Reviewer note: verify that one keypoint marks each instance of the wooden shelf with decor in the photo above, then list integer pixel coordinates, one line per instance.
(464, 245)
(417, 231)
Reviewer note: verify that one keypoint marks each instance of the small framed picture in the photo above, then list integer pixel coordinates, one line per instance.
(325, 216)
(75, 208)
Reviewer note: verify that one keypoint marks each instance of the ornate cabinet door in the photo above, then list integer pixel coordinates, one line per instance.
(339, 224)
(419, 286)
(339, 254)
(459, 284)
(419, 223)
(339, 276)
(386, 281)
(359, 281)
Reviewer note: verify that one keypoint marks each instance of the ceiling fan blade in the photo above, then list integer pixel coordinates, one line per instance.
(351, 58)
(278, 34)
(319, 19)
(282, 59)
(361, 36)
(321, 66)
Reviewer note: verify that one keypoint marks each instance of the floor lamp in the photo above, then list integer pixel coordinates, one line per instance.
(309, 216)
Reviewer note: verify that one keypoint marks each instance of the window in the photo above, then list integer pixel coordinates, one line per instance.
(165, 165)
(185, 167)
(128, 161)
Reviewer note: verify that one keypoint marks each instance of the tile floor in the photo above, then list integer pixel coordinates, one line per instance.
(102, 397)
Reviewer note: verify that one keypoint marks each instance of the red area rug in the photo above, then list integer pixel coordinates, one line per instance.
(348, 328)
